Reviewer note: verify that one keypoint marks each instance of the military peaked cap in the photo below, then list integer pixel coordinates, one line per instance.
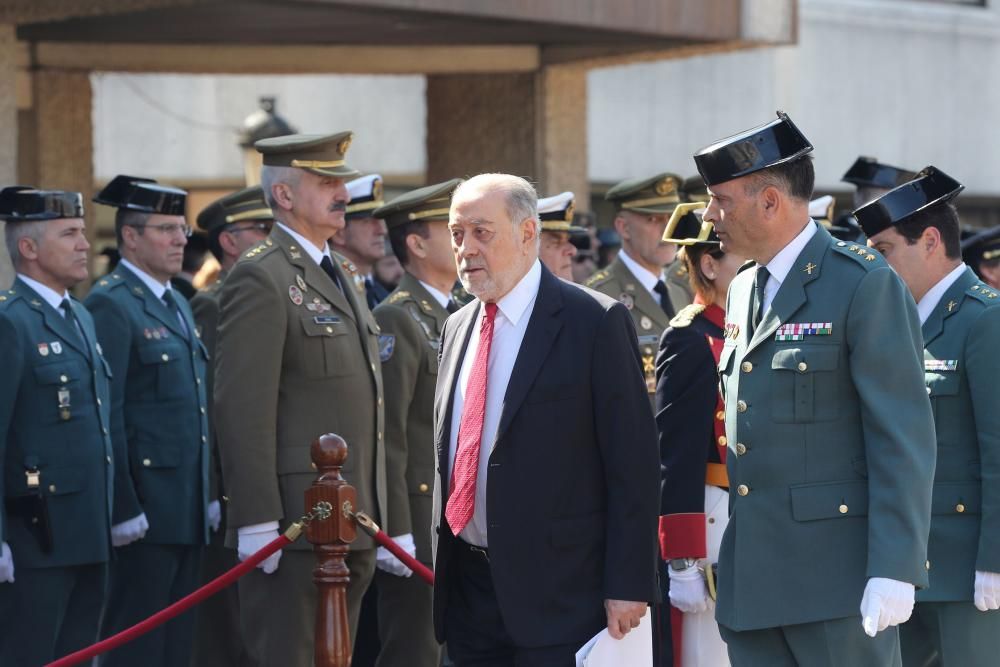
(20, 203)
(867, 172)
(556, 213)
(931, 186)
(432, 202)
(321, 154)
(983, 246)
(245, 204)
(653, 195)
(142, 194)
(366, 196)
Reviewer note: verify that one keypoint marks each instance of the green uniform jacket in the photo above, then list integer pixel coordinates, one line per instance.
(42, 355)
(649, 318)
(159, 427)
(411, 321)
(961, 368)
(678, 285)
(296, 358)
(830, 435)
(205, 307)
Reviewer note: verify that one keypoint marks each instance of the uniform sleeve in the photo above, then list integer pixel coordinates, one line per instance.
(247, 375)
(399, 379)
(12, 362)
(886, 365)
(626, 433)
(982, 359)
(686, 398)
(205, 310)
(115, 336)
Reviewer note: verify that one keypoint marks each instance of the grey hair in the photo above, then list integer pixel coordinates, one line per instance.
(13, 233)
(271, 175)
(521, 196)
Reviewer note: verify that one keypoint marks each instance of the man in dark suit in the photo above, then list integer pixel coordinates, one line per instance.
(555, 518)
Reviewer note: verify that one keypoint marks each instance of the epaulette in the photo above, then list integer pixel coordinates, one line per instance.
(749, 264)
(110, 280)
(8, 296)
(859, 252)
(598, 278)
(983, 292)
(260, 249)
(687, 314)
(397, 296)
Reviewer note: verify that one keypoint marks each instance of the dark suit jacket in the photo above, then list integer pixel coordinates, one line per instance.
(573, 475)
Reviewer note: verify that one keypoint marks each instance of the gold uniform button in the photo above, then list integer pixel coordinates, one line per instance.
(960, 508)
(165, 357)
(423, 488)
(741, 406)
(147, 462)
(746, 367)
(720, 415)
(204, 439)
(927, 565)
(723, 441)
(928, 390)
(380, 435)
(329, 329)
(803, 367)
(52, 488)
(63, 379)
(380, 400)
(741, 449)
(743, 489)
(197, 380)
(202, 410)
(842, 509)
(99, 402)
(104, 430)
(313, 466)
(108, 459)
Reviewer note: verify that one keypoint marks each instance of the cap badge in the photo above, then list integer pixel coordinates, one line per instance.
(344, 145)
(665, 186)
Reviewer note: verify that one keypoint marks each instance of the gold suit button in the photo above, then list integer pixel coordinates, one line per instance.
(165, 357)
(741, 449)
(63, 379)
(803, 367)
(147, 462)
(423, 488)
(723, 441)
(842, 509)
(960, 508)
(743, 489)
(720, 415)
(746, 367)
(741, 406)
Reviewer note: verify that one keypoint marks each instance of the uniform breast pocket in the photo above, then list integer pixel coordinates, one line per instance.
(803, 386)
(327, 346)
(941, 385)
(165, 362)
(59, 384)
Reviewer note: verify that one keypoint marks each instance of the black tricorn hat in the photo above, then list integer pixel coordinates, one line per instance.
(931, 186)
(982, 246)
(21, 203)
(867, 172)
(142, 194)
(760, 147)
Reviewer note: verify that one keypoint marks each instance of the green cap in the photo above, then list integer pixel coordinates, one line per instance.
(694, 189)
(431, 202)
(654, 195)
(321, 154)
(245, 204)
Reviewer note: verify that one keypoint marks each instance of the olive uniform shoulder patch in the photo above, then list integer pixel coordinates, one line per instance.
(598, 278)
(687, 315)
(397, 296)
(260, 249)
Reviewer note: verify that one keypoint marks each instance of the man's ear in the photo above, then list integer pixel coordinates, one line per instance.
(771, 199)
(28, 248)
(931, 239)
(529, 230)
(621, 225)
(282, 195)
(415, 246)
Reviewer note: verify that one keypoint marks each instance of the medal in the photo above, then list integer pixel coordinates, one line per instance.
(56, 347)
(627, 300)
(295, 294)
(43, 349)
(646, 323)
(301, 283)
(64, 405)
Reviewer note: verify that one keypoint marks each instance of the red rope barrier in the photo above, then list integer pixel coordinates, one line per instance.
(182, 605)
(372, 528)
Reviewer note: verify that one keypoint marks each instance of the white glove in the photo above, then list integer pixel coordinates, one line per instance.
(688, 591)
(986, 597)
(251, 539)
(885, 602)
(6, 564)
(384, 560)
(214, 515)
(129, 531)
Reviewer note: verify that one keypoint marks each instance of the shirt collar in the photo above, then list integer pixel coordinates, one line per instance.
(930, 300)
(157, 288)
(645, 278)
(317, 254)
(781, 264)
(438, 295)
(50, 296)
(515, 302)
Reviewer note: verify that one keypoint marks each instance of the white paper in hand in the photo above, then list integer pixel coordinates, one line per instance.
(634, 650)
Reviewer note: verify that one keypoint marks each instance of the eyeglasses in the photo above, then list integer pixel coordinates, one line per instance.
(258, 226)
(170, 228)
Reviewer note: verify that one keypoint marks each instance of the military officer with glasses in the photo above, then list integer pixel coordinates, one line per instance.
(159, 425)
(54, 436)
(234, 224)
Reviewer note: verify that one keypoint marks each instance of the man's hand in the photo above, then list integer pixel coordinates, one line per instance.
(885, 602)
(385, 561)
(6, 564)
(251, 539)
(129, 531)
(987, 591)
(623, 615)
(214, 512)
(688, 591)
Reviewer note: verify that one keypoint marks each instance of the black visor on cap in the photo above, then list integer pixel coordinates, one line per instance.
(931, 186)
(868, 172)
(24, 204)
(752, 150)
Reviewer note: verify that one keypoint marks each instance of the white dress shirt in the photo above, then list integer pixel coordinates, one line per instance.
(315, 252)
(646, 279)
(782, 263)
(50, 296)
(511, 322)
(155, 286)
(929, 302)
(439, 296)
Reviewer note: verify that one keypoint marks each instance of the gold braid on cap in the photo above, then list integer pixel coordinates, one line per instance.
(636, 203)
(429, 213)
(317, 164)
(253, 214)
(363, 206)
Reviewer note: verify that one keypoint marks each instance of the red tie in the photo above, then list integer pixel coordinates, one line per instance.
(462, 501)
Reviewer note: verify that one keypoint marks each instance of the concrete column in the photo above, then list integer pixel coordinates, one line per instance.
(8, 132)
(529, 124)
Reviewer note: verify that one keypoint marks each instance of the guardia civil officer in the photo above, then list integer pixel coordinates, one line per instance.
(636, 276)
(828, 424)
(54, 442)
(233, 224)
(411, 320)
(159, 427)
(297, 357)
(871, 179)
(982, 253)
(915, 227)
(362, 238)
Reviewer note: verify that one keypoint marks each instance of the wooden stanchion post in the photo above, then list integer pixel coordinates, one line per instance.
(330, 537)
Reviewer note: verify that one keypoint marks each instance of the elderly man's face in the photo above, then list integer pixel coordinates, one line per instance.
(556, 253)
(61, 253)
(642, 235)
(492, 252)
(320, 201)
